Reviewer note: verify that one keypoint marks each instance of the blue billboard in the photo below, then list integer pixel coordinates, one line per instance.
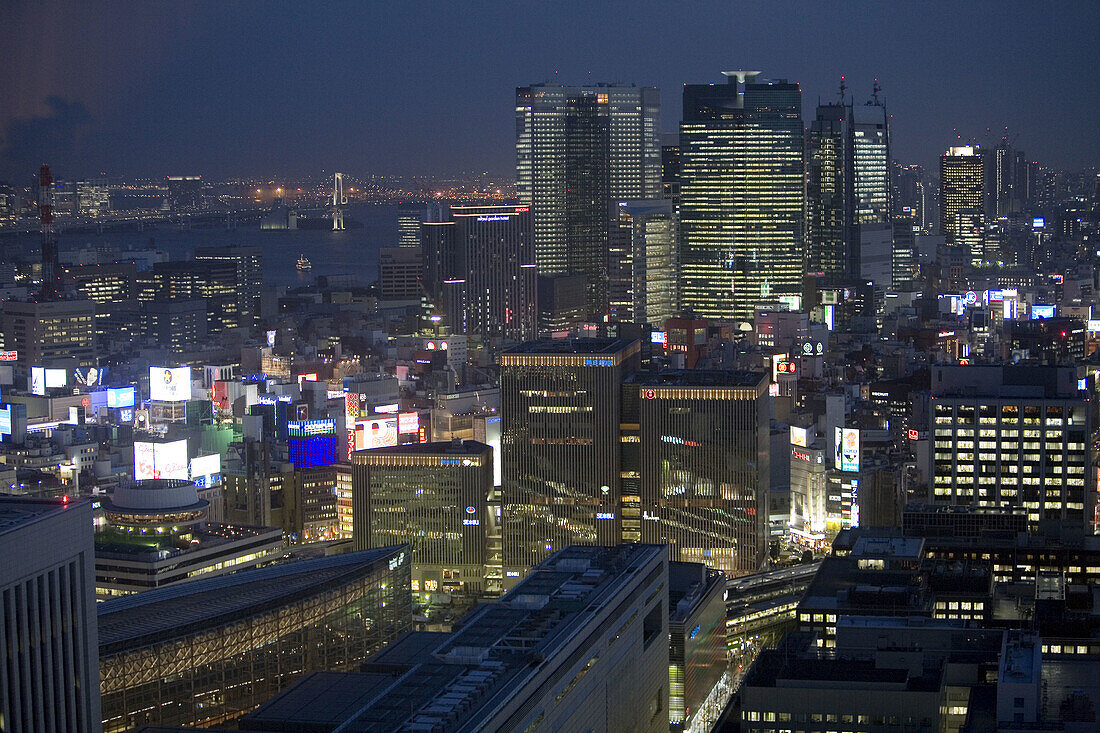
(121, 397)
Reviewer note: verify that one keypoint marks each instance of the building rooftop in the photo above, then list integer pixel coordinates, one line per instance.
(18, 511)
(185, 608)
(156, 496)
(577, 346)
(443, 682)
(698, 378)
(443, 447)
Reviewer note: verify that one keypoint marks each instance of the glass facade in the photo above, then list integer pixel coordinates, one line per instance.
(245, 637)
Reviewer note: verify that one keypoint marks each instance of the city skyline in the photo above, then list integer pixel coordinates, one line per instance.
(225, 90)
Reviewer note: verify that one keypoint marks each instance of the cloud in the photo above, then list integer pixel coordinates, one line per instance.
(51, 137)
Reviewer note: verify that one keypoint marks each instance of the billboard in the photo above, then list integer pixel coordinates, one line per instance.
(377, 433)
(170, 385)
(658, 337)
(799, 437)
(205, 466)
(1041, 311)
(5, 421)
(38, 380)
(847, 449)
(408, 423)
(160, 460)
(121, 397)
(56, 378)
(90, 377)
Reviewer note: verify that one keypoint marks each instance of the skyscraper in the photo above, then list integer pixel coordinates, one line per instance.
(695, 449)
(741, 195)
(577, 148)
(962, 199)
(641, 265)
(248, 264)
(560, 406)
(848, 184)
(480, 269)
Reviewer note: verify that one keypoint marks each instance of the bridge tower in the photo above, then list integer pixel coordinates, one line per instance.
(339, 199)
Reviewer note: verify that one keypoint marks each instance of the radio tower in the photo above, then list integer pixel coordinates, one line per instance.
(51, 272)
(338, 199)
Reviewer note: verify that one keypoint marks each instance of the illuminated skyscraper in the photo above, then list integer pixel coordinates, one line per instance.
(741, 195)
(695, 450)
(641, 265)
(849, 183)
(576, 149)
(560, 406)
(962, 199)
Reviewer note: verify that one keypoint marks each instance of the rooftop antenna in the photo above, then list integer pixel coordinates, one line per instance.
(843, 88)
(874, 92)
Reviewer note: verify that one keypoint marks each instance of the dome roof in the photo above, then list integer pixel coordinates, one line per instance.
(155, 496)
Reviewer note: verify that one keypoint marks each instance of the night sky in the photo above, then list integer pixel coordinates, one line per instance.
(406, 87)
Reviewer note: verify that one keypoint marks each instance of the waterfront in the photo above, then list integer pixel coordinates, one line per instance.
(353, 251)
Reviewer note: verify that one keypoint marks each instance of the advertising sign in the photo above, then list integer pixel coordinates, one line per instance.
(1041, 311)
(170, 385)
(408, 423)
(38, 380)
(377, 433)
(799, 437)
(90, 377)
(160, 460)
(847, 449)
(203, 466)
(121, 397)
(5, 421)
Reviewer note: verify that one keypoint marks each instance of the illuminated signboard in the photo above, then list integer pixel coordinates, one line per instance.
(1038, 222)
(170, 385)
(379, 433)
(5, 421)
(56, 378)
(657, 337)
(90, 377)
(913, 434)
(799, 437)
(408, 423)
(9, 355)
(1042, 311)
(160, 460)
(121, 397)
(802, 456)
(206, 466)
(502, 217)
(308, 428)
(126, 414)
(38, 380)
(303, 378)
(1092, 326)
(311, 452)
(387, 409)
(271, 338)
(847, 449)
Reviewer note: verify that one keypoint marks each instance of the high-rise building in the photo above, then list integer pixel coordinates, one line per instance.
(962, 199)
(57, 333)
(248, 264)
(576, 149)
(560, 407)
(49, 675)
(400, 270)
(186, 193)
(641, 265)
(741, 195)
(848, 158)
(176, 324)
(903, 260)
(1007, 176)
(433, 497)
(1013, 437)
(480, 270)
(695, 468)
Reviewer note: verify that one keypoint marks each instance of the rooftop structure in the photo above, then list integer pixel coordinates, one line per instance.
(583, 638)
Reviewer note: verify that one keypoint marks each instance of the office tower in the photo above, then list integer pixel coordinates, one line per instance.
(57, 333)
(248, 274)
(156, 534)
(832, 247)
(93, 197)
(560, 407)
(1010, 437)
(480, 269)
(594, 618)
(962, 200)
(433, 497)
(185, 193)
(399, 272)
(741, 195)
(903, 258)
(49, 678)
(213, 281)
(1007, 176)
(232, 642)
(641, 269)
(175, 325)
(913, 196)
(409, 218)
(696, 466)
(848, 158)
(576, 149)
